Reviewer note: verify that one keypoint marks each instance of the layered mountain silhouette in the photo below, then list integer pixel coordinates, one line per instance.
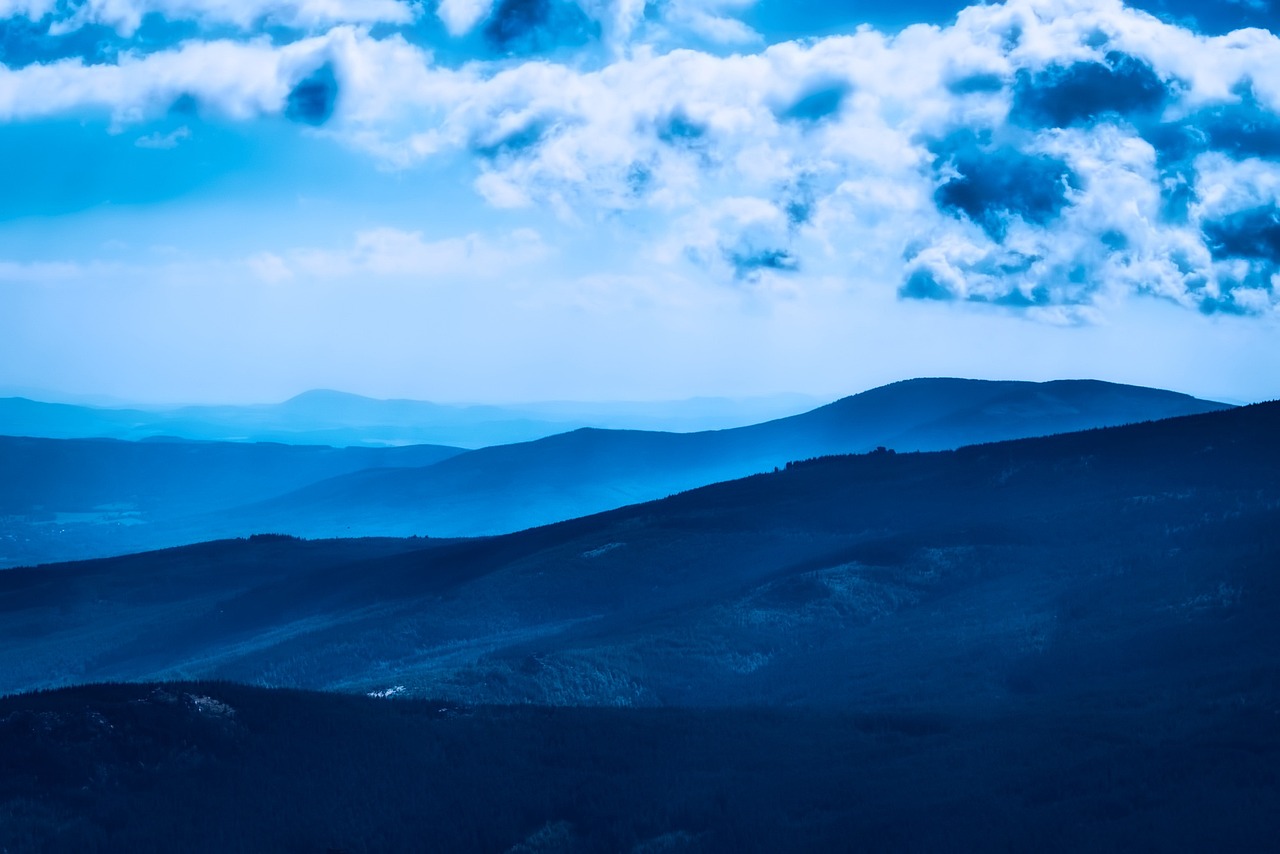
(325, 417)
(88, 497)
(75, 499)
(505, 488)
(1052, 568)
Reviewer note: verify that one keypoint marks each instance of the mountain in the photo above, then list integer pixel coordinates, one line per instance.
(93, 498)
(1052, 644)
(506, 488)
(340, 419)
(89, 497)
(1138, 559)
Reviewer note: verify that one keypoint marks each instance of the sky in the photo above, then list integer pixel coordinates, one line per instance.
(513, 200)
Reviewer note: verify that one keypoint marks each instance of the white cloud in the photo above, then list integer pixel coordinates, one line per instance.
(32, 9)
(799, 148)
(459, 16)
(160, 140)
(125, 16)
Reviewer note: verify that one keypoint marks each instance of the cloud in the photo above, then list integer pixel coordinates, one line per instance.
(817, 104)
(1047, 156)
(459, 16)
(126, 16)
(990, 184)
(1059, 96)
(311, 100)
(1251, 235)
(163, 141)
(531, 26)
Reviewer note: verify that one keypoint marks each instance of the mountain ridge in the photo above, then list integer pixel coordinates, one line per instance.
(507, 487)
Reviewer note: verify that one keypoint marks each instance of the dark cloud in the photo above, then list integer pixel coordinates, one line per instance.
(1082, 92)
(798, 198)
(1252, 234)
(514, 142)
(921, 284)
(799, 208)
(816, 104)
(975, 83)
(1242, 129)
(748, 263)
(1245, 128)
(24, 42)
(1116, 241)
(678, 129)
(639, 179)
(996, 183)
(311, 101)
(535, 26)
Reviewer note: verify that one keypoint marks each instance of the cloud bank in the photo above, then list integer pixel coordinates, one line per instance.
(1048, 157)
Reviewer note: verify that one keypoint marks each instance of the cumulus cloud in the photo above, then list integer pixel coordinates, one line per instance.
(531, 26)
(459, 16)
(125, 16)
(1046, 156)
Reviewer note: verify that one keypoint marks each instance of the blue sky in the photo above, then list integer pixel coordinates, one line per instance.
(215, 201)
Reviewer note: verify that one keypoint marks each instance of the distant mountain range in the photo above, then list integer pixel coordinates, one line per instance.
(68, 499)
(509, 487)
(1128, 559)
(323, 417)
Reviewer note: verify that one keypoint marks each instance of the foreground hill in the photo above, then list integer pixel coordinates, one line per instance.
(509, 487)
(1140, 560)
(64, 498)
(214, 767)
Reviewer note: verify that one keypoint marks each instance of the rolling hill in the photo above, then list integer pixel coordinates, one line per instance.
(1086, 562)
(506, 488)
(81, 498)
